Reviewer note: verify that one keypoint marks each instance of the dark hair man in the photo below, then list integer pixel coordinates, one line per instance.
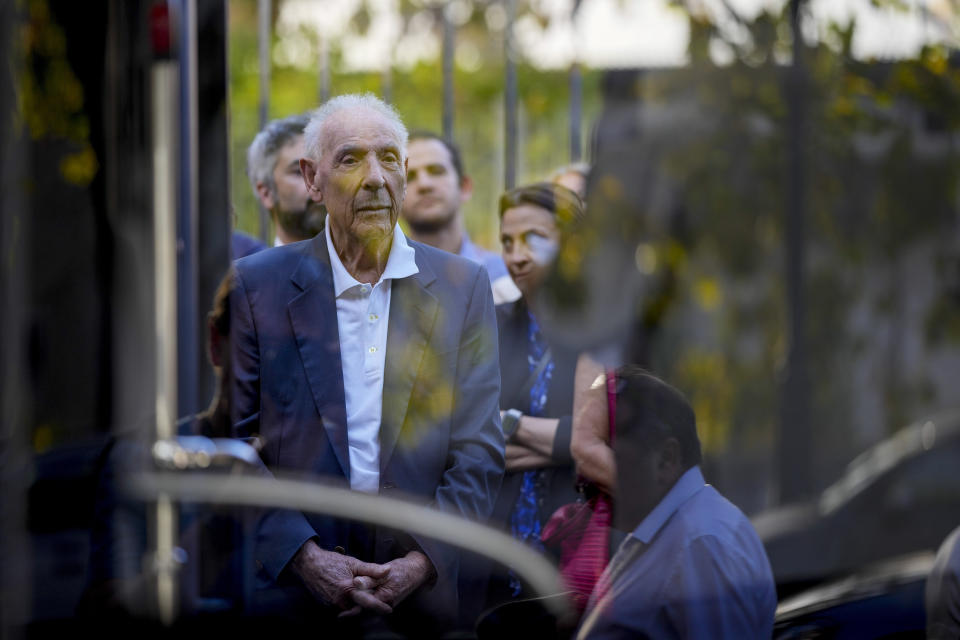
(437, 189)
(317, 379)
(273, 167)
(692, 565)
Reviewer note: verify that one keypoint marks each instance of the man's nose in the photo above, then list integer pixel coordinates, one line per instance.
(373, 177)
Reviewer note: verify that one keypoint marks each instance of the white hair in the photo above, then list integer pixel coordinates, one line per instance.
(313, 134)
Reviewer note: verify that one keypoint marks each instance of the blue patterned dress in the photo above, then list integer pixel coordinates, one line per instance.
(525, 519)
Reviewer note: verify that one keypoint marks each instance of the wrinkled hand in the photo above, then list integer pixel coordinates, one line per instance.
(329, 577)
(404, 576)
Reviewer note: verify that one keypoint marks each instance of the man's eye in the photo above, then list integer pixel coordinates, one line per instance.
(391, 158)
(348, 160)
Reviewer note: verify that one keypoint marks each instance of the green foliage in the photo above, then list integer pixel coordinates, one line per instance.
(51, 100)
(418, 95)
(880, 173)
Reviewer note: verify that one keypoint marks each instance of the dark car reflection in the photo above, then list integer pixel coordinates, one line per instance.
(899, 496)
(881, 601)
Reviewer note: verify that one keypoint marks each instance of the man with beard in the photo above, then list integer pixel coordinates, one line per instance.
(273, 167)
(437, 189)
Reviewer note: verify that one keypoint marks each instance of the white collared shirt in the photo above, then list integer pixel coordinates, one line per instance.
(363, 314)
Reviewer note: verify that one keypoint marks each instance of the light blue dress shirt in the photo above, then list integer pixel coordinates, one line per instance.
(492, 261)
(504, 289)
(693, 568)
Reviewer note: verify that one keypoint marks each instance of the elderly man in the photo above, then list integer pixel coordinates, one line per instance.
(437, 189)
(273, 167)
(692, 566)
(364, 358)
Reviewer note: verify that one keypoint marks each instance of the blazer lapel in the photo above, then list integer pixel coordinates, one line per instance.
(313, 316)
(413, 312)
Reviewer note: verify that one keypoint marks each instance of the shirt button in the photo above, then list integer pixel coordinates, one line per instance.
(373, 349)
(373, 317)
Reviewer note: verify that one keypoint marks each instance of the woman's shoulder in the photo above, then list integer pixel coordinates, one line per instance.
(510, 312)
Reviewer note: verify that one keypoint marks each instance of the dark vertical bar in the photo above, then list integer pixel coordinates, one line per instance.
(510, 100)
(187, 214)
(263, 40)
(576, 106)
(795, 435)
(448, 43)
(323, 62)
(263, 50)
(213, 174)
(16, 468)
(129, 172)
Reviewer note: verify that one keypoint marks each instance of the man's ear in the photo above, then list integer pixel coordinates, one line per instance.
(265, 195)
(308, 168)
(670, 464)
(466, 188)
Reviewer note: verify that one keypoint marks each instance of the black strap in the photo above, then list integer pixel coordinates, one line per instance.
(524, 391)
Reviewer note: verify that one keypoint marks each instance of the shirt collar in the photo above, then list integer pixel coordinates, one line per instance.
(467, 248)
(401, 262)
(690, 483)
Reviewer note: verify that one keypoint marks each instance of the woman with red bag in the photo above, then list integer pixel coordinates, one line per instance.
(537, 382)
(581, 531)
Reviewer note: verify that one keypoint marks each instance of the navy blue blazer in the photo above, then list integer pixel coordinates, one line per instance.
(440, 437)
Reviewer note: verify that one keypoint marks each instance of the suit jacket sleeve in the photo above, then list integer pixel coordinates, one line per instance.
(280, 533)
(475, 461)
(244, 362)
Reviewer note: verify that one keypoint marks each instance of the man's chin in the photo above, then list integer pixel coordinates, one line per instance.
(372, 234)
(314, 223)
(303, 226)
(430, 224)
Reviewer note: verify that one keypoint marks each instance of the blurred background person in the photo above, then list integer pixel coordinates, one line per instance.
(243, 244)
(574, 177)
(537, 378)
(590, 433)
(273, 167)
(437, 190)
